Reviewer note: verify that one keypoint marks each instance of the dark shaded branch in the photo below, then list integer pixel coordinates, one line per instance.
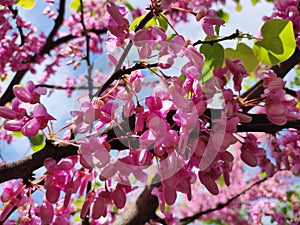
(114, 76)
(20, 29)
(211, 42)
(58, 22)
(220, 206)
(119, 73)
(260, 123)
(24, 167)
(8, 94)
(70, 37)
(291, 92)
(144, 208)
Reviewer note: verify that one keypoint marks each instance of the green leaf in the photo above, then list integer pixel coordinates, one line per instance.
(278, 42)
(238, 7)
(155, 21)
(17, 134)
(170, 36)
(221, 181)
(129, 6)
(206, 74)
(244, 53)
(254, 2)
(27, 4)
(182, 77)
(75, 5)
(36, 148)
(37, 142)
(37, 139)
(214, 54)
(214, 57)
(162, 23)
(134, 23)
(290, 194)
(223, 15)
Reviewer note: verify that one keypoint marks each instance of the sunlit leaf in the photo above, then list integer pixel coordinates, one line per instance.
(37, 142)
(75, 5)
(27, 4)
(17, 134)
(245, 54)
(254, 2)
(157, 21)
(278, 42)
(238, 7)
(162, 23)
(36, 148)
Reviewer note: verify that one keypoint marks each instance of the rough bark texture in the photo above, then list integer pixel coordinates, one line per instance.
(140, 212)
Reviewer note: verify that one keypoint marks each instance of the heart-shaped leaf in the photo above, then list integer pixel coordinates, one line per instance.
(244, 53)
(278, 42)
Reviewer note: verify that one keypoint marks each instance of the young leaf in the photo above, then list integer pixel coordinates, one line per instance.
(129, 6)
(27, 4)
(36, 148)
(214, 54)
(134, 23)
(37, 142)
(278, 42)
(162, 23)
(75, 5)
(244, 53)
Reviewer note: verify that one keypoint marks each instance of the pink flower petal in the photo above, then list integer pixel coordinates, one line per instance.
(31, 128)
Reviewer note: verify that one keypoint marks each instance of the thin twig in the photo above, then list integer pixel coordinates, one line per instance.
(118, 75)
(87, 51)
(140, 26)
(8, 94)
(220, 206)
(20, 29)
(211, 42)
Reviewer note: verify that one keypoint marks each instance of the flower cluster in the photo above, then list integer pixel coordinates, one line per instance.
(18, 119)
(280, 107)
(17, 55)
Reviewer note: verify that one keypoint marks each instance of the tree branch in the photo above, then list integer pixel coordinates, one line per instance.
(144, 208)
(211, 42)
(220, 206)
(260, 123)
(24, 167)
(119, 73)
(8, 94)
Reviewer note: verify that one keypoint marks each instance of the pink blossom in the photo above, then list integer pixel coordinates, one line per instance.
(118, 25)
(29, 93)
(95, 151)
(208, 19)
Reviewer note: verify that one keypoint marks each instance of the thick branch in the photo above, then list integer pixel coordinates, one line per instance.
(24, 167)
(260, 123)
(143, 210)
